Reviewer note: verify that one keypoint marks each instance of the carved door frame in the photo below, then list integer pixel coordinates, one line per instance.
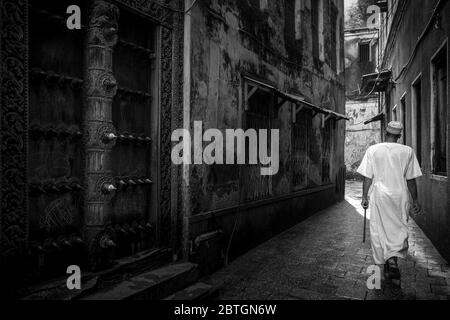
(14, 128)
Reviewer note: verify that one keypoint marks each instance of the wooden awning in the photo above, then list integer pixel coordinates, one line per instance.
(376, 82)
(299, 102)
(378, 117)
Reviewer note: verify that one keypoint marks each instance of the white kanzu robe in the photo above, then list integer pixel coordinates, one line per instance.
(389, 165)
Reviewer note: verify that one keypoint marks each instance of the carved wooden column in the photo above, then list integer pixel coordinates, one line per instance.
(100, 89)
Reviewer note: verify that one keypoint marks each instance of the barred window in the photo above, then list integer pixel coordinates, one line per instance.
(259, 114)
(327, 135)
(301, 131)
(334, 36)
(315, 28)
(289, 26)
(364, 52)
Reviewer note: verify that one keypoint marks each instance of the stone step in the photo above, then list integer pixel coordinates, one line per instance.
(133, 266)
(197, 292)
(152, 285)
(91, 282)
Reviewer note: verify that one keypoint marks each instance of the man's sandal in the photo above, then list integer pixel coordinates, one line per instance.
(392, 269)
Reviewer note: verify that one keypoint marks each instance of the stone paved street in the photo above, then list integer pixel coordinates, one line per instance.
(324, 258)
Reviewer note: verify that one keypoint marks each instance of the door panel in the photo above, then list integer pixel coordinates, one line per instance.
(55, 161)
(133, 67)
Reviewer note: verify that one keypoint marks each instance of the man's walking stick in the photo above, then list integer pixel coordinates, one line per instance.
(364, 231)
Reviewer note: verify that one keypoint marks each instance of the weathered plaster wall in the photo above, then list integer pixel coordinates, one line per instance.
(359, 137)
(233, 38)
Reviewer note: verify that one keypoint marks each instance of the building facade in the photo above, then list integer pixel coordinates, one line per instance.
(252, 65)
(361, 58)
(88, 116)
(414, 80)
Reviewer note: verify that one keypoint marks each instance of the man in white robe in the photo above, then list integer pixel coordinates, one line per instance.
(391, 169)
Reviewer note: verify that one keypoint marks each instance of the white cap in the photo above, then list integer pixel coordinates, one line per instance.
(395, 128)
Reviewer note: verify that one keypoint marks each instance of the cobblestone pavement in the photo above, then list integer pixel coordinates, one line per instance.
(324, 258)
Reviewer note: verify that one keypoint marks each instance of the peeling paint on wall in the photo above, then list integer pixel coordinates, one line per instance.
(233, 38)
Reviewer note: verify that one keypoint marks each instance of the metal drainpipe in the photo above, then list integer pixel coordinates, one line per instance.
(382, 122)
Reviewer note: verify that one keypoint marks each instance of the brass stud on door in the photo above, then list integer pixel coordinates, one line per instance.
(109, 137)
(108, 188)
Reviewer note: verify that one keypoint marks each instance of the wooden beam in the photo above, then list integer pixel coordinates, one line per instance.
(252, 92)
(296, 109)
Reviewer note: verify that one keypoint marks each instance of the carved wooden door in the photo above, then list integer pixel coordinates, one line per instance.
(55, 146)
(84, 116)
(93, 151)
(135, 154)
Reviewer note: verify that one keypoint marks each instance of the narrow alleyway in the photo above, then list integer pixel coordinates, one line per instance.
(324, 258)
